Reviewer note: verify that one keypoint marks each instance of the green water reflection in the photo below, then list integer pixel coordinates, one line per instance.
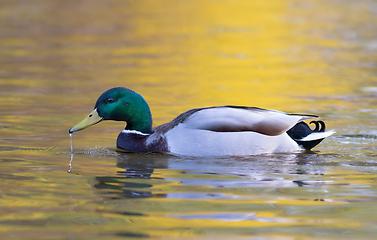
(315, 57)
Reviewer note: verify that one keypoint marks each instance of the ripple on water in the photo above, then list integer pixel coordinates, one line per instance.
(357, 136)
(12, 148)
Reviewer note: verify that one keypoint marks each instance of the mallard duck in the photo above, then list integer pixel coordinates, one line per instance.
(207, 131)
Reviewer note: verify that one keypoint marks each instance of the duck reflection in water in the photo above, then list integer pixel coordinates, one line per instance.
(136, 167)
(135, 178)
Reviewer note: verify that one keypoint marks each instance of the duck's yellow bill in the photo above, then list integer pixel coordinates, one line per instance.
(90, 120)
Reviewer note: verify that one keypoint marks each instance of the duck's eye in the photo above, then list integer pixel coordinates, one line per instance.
(110, 100)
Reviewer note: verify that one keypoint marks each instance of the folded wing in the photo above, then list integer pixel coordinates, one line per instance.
(237, 119)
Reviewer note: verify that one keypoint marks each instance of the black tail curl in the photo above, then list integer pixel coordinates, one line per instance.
(301, 130)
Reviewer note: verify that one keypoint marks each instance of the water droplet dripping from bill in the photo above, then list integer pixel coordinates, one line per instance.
(70, 162)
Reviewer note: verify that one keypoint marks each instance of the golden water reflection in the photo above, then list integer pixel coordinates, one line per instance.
(315, 57)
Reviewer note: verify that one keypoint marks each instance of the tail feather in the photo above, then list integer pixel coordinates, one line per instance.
(317, 135)
(306, 137)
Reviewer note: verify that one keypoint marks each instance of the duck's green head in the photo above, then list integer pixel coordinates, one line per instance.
(119, 104)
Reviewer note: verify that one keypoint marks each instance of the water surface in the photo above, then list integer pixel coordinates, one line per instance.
(315, 57)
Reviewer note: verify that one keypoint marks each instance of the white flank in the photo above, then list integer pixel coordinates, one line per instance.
(197, 142)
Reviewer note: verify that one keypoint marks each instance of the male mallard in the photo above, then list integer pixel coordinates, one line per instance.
(209, 131)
